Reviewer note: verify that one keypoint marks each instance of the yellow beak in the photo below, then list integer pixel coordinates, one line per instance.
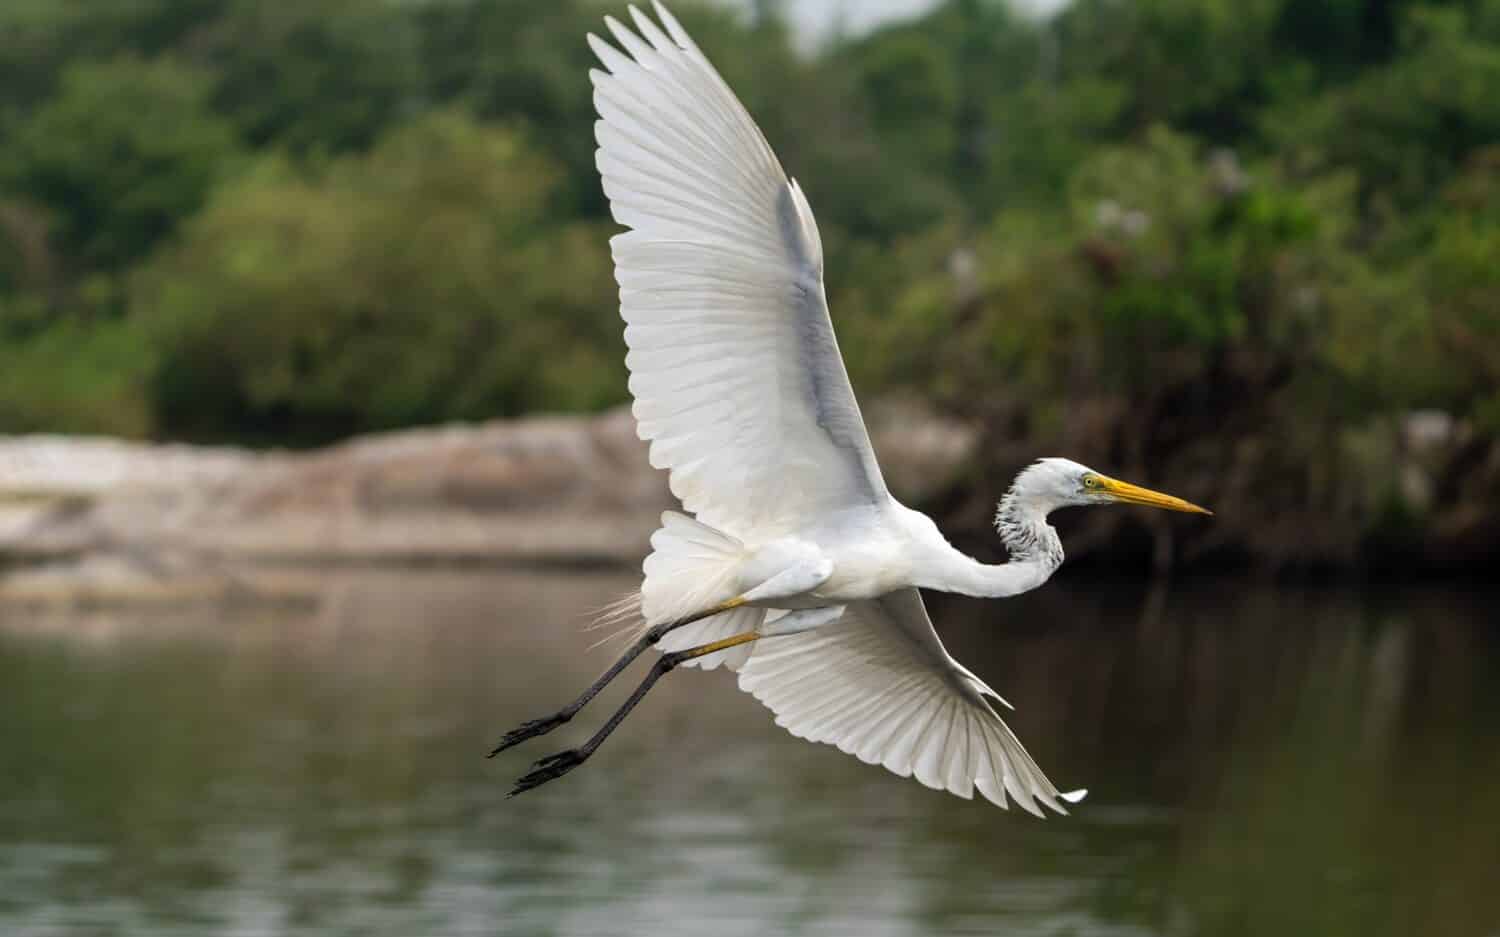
(1127, 493)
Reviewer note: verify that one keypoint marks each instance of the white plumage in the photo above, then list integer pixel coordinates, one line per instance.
(799, 569)
(879, 685)
(733, 366)
(736, 375)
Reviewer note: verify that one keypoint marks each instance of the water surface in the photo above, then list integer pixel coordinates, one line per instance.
(1261, 760)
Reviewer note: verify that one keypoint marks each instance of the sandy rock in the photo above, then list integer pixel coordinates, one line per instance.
(576, 490)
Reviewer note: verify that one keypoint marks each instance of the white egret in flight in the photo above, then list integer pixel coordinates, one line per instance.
(797, 569)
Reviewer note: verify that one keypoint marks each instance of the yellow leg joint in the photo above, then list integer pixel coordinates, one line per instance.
(722, 645)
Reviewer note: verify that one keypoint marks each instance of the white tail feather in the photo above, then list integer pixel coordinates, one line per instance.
(618, 619)
(693, 567)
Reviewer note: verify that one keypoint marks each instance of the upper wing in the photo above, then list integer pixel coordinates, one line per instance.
(737, 378)
(878, 684)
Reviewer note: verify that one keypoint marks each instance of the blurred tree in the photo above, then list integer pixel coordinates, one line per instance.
(1196, 64)
(913, 90)
(27, 261)
(423, 282)
(510, 60)
(41, 37)
(1462, 277)
(1407, 127)
(123, 152)
(315, 75)
(1164, 260)
(964, 102)
(80, 375)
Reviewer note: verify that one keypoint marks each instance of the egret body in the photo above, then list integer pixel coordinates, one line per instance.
(797, 568)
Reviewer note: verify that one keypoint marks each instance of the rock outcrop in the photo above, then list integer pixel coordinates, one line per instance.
(546, 490)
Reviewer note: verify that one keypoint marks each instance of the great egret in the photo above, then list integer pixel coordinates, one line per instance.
(740, 390)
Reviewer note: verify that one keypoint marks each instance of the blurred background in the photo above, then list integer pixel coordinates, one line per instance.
(313, 466)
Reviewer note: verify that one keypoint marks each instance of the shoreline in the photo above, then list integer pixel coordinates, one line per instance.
(108, 516)
(544, 491)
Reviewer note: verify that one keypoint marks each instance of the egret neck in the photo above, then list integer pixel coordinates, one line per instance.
(1035, 552)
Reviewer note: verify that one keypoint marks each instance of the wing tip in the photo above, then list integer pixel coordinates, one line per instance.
(603, 51)
(674, 28)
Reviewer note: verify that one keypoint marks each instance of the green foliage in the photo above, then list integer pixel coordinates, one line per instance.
(314, 75)
(42, 38)
(26, 259)
(421, 282)
(1198, 64)
(914, 96)
(271, 221)
(122, 153)
(1406, 128)
(77, 376)
(508, 60)
(1462, 281)
(1162, 250)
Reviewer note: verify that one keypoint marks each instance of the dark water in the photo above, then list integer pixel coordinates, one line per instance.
(1262, 761)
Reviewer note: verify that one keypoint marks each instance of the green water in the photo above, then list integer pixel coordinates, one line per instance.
(1262, 761)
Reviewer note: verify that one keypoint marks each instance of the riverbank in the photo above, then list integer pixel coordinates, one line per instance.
(138, 520)
(142, 519)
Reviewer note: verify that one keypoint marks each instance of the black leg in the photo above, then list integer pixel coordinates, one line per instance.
(555, 766)
(536, 727)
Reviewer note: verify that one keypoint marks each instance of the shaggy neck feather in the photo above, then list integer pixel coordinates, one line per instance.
(1035, 552)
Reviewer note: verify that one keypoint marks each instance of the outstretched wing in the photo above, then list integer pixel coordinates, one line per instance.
(737, 378)
(879, 685)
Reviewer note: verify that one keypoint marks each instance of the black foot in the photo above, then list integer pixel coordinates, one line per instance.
(548, 769)
(529, 730)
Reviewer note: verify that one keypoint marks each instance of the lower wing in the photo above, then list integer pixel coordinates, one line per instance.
(878, 684)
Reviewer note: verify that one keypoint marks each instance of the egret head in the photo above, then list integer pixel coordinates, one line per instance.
(1057, 483)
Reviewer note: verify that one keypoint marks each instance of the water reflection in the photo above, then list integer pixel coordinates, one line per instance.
(1263, 761)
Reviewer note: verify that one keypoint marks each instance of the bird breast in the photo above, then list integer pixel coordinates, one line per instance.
(868, 562)
(865, 572)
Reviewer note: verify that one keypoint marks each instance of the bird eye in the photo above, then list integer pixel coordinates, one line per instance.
(1090, 481)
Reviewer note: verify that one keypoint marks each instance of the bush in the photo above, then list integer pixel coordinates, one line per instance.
(123, 153)
(313, 76)
(425, 281)
(78, 376)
